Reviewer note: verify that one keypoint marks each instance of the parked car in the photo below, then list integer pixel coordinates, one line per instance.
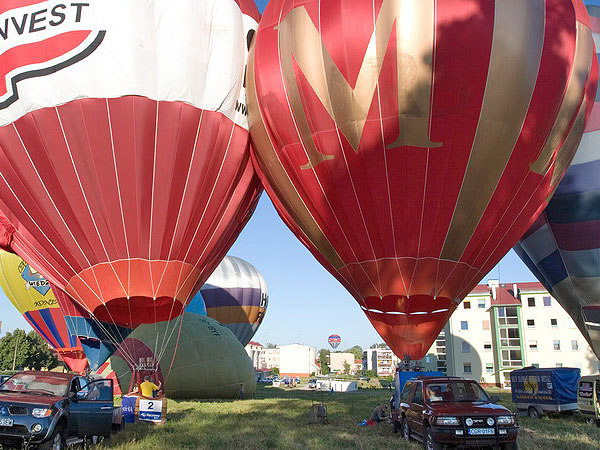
(49, 409)
(441, 411)
(541, 391)
(312, 384)
(588, 398)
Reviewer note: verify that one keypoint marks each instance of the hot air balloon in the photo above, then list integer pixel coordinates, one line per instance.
(30, 293)
(236, 296)
(561, 248)
(409, 143)
(334, 340)
(207, 362)
(125, 172)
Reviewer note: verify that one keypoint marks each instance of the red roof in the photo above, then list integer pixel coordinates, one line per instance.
(505, 296)
(255, 343)
(358, 361)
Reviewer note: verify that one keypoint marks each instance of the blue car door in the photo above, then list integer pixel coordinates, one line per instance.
(92, 409)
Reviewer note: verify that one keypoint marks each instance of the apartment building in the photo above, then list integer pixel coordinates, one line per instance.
(381, 361)
(502, 327)
(255, 353)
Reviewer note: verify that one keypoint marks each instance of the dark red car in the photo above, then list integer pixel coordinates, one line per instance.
(453, 412)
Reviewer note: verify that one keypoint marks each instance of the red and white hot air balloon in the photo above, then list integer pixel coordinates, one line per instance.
(125, 170)
(410, 143)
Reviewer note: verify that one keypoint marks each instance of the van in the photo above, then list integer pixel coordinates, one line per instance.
(588, 398)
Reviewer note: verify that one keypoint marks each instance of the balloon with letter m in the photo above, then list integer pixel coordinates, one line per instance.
(409, 143)
(125, 168)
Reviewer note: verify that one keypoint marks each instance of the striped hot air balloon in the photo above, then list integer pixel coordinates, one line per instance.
(32, 295)
(409, 143)
(236, 296)
(562, 247)
(334, 340)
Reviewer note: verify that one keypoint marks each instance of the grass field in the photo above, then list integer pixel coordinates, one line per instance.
(279, 418)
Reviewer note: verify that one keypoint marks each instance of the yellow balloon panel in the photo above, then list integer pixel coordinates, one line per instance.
(23, 285)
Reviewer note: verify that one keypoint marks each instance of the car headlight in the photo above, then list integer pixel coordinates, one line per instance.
(446, 420)
(505, 420)
(40, 413)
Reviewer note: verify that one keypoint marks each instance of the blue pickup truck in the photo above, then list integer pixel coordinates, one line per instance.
(49, 410)
(541, 391)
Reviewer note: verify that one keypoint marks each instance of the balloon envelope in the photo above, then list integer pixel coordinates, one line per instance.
(207, 362)
(236, 296)
(334, 340)
(562, 247)
(125, 167)
(32, 295)
(410, 143)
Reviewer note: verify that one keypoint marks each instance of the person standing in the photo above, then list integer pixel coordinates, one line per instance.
(242, 391)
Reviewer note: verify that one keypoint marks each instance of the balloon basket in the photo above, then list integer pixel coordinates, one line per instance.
(139, 409)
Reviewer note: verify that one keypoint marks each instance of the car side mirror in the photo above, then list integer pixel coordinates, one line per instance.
(495, 398)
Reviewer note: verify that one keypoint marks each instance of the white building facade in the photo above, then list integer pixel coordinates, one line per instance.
(297, 360)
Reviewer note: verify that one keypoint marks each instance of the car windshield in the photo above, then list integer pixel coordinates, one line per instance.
(36, 383)
(455, 391)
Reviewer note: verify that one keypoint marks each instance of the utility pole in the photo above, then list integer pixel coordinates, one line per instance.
(15, 357)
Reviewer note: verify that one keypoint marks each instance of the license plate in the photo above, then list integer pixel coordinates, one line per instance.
(6, 422)
(481, 431)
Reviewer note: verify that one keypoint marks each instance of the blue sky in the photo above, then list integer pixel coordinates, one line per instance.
(306, 303)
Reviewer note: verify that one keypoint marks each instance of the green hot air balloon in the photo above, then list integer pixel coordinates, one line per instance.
(205, 361)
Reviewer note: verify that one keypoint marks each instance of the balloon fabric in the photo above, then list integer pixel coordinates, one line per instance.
(125, 171)
(410, 143)
(562, 247)
(33, 297)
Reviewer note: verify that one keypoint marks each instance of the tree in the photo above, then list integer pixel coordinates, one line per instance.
(346, 368)
(324, 360)
(357, 351)
(275, 371)
(382, 345)
(25, 351)
(269, 345)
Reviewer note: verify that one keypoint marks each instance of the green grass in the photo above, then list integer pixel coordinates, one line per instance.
(279, 418)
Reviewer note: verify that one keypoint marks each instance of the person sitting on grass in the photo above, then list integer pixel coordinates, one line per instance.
(379, 414)
(148, 387)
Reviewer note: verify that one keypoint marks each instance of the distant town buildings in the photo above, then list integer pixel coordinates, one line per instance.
(502, 327)
(338, 361)
(496, 329)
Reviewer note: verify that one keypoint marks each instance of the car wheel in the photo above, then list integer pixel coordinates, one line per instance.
(533, 413)
(590, 421)
(405, 430)
(56, 441)
(428, 440)
(396, 426)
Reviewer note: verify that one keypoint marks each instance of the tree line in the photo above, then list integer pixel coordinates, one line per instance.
(20, 350)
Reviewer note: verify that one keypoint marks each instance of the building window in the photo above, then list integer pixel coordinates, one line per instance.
(556, 345)
(558, 364)
(464, 325)
(511, 358)
(467, 304)
(508, 316)
(466, 348)
(487, 346)
(485, 324)
(481, 303)
(489, 368)
(530, 323)
(554, 323)
(547, 301)
(533, 346)
(536, 365)
(467, 367)
(510, 337)
(574, 346)
(531, 301)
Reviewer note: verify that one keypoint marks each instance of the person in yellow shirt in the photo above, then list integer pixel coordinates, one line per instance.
(148, 387)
